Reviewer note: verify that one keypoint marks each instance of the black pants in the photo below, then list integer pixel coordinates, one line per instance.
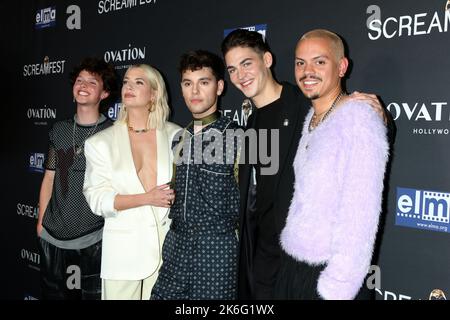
(298, 281)
(70, 274)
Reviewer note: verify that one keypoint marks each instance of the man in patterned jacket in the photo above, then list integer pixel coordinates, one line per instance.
(200, 249)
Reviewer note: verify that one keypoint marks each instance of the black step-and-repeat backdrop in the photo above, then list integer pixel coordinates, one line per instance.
(399, 50)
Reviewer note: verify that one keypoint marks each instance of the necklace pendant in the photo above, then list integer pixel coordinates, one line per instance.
(78, 150)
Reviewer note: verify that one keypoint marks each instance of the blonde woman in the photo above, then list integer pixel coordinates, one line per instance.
(128, 170)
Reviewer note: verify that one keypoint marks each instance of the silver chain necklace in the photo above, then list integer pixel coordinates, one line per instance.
(78, 150)
(312, 126)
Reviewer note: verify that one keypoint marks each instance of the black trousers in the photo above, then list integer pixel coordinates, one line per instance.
(70, 274)
(298, 281)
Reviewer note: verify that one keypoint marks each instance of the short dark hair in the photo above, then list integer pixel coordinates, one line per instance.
(100, 67)
(244, 38)
(197, 59)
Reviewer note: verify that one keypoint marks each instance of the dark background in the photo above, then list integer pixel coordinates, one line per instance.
(401, 70)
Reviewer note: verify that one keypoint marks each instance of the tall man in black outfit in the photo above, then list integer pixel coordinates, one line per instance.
(265, 199)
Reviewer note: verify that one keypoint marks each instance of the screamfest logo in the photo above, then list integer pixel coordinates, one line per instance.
(436, 294)
(241, 116)
(430, 113)
(27, 211)
(124, 57)
(108, 6)
(421, 209)
(391, 295)
(407, 25)
(45, 68)
(236, 115)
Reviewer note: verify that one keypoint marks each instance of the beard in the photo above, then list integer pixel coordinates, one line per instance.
(314, 95)
(311, 95)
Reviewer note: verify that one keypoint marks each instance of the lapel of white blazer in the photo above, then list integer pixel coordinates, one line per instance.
(125, 158)
(164, 166)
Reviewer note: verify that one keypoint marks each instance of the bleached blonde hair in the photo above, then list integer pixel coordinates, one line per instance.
(336, 41)
(159, 111)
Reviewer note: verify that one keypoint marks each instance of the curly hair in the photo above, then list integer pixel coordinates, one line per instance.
(98, 66)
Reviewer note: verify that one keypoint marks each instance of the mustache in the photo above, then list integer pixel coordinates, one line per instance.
(310, 77)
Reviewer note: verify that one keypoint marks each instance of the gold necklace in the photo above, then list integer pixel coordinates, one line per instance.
(138, 130)
(312, 123)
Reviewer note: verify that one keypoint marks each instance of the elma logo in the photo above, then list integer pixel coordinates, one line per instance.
(113, 112)
(421, 209)
(261, 28)
(46, 18)
(36, 163)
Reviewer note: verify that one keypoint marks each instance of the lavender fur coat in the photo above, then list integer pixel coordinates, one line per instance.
(333, 218)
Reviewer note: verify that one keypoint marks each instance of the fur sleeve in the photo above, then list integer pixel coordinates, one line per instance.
(359, 205)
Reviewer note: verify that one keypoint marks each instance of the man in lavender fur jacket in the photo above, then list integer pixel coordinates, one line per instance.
(339, 171)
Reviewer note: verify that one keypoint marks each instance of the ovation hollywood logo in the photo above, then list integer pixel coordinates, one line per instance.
(39, 116)
(45, 68)
(407, 25)
(125, 57)
(429, 114)
(33, 258)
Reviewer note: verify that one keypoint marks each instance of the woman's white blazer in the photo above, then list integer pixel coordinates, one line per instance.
(132, 238)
